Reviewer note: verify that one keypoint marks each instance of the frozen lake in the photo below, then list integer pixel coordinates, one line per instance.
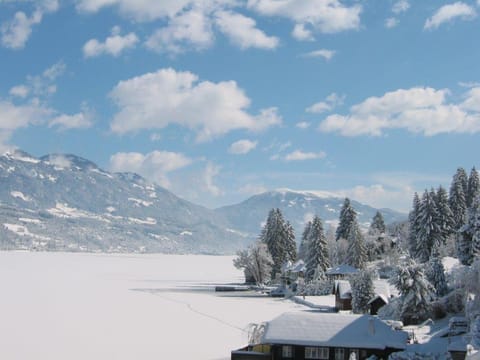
(98, 306)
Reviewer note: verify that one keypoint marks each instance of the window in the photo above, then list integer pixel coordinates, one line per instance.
(316, 353)
(339, 353)
(287, 351)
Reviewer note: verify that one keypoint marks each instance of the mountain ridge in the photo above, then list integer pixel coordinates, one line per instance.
(66, 202)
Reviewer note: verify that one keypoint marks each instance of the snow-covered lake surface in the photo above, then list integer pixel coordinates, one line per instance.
(97, 306)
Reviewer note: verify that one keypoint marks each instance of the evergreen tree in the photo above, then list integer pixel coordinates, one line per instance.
(289, 241)
(357, 251)
(444, 218)
(347, 217)
(279, 237)
(474, 223)
(414, 225)
(428, 230)
(378, 224)
(436, 274)
(317, 257)
(303, 248)
(458, 204)
(415, 292)
(473, 187)
(469, 239)
(362, 291)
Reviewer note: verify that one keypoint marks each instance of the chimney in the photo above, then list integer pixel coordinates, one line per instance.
(371, 326)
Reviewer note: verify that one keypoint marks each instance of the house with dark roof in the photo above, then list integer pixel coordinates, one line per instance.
(343, 295)
(307, 335)
(341, 272)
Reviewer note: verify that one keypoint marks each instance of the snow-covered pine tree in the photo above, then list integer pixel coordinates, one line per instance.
(473, 187)
(270, 236)
(468, 247)
(414, 226)
(303, 248)
(280, 239)
(436, 274)
(357, 251)
(317, 255)
(428, 230)
(362, 291)
(444, 219)
(378, 224)
(289, 241)
(415, 291)
(347, 217)
(457, 200)
(474, 226)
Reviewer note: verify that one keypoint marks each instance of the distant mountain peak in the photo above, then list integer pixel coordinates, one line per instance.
(69, 161)
(315, 193)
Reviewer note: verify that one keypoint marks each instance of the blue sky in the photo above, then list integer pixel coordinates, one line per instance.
(217, 100)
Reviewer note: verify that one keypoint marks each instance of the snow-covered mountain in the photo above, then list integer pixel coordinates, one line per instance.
(298, 207)
(65, 202)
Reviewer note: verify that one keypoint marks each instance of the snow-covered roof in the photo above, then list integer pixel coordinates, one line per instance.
(333, 330)
(343, 269)
(343, 288)
(296, 267)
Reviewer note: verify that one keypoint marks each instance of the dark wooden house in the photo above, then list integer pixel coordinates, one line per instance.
(343, 295)
(305, 335)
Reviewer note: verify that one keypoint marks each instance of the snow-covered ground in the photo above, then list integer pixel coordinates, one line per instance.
(97, 306)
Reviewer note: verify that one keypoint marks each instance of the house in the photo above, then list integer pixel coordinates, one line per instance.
(341, 272)
(343, 295)
(292, 271)
(383, 294)
(307, 335)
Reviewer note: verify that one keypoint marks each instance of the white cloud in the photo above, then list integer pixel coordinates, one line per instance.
(16, 32)
(20, 91)
(192, 29)
(400, 6)
(242, 31)
(469, 84)
(472, 100)
(448, 13)
(113, 45)
(391, 22)
(379, 196)
(417, 110)
(211, 171)
(156, 100)
(242, 147)
(323, 53)
(326, 16)
(331, 102)
(301, 33)
(299, 155)
(41, 85)
(149, 10)
(154, 166)
(81, 120)
(13, 116)
(303, 125)
(252, 189)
